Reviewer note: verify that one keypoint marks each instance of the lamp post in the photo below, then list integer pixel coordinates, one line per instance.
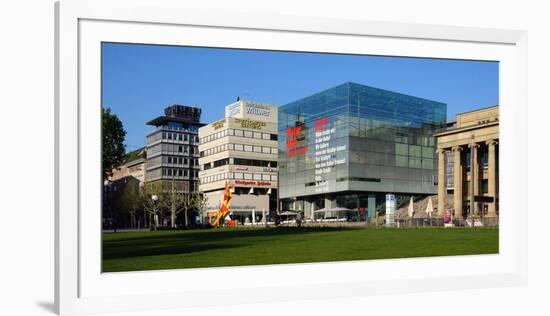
(473, 157)
(155, 198)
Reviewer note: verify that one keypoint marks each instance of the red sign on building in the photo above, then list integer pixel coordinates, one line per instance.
(292, 134)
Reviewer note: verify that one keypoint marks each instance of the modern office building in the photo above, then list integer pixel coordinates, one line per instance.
(343, 149)
(241, 149)
(475, 134)
(172, 149)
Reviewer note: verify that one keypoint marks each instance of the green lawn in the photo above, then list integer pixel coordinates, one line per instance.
(236, 247)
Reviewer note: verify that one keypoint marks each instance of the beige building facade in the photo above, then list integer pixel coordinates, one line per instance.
(134, 168)
(469, 151)
(241, 149)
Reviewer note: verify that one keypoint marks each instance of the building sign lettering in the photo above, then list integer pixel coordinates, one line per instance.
(292, 135)
(246, 182)
(257, 109)
(218, 124)
(250, 124)
(325, 154)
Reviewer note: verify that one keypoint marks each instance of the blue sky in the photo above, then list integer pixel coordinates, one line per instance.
(139, 81)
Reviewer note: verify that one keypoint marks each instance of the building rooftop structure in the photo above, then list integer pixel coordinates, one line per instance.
(178, 113)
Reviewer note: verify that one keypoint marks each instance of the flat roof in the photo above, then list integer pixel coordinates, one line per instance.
(161, 120)
(476, 110)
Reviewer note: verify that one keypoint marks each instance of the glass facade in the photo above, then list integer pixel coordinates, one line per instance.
(358, 139)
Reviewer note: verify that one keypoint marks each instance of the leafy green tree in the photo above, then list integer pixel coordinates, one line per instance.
(113, 151)
(129, 200)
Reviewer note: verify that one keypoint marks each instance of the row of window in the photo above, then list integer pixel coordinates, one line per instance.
(177, 160)
(238, 133)
(172, 148)
(238, 147)
(175, 172)
(239, 176)
(241, 162)
(180, 137)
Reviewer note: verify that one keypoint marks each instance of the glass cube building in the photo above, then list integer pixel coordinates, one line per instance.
(345, 148)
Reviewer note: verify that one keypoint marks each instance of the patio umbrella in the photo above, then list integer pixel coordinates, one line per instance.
(429, 207)
(411, 208)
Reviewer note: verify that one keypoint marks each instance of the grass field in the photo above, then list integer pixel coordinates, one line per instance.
(236, 247)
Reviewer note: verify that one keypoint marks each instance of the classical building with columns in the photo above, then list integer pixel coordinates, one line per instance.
(472, 141)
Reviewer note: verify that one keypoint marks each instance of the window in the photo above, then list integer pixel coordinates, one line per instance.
(273, 177)
(180, 172)
(239, 133)
(427, 164)
(169, 159)
(266, 177)
(248, 176)
(170, 136)
(484, 186)
(266, 150)
(266, 136)
(402, 149)
(274, 150)
(257, 176)
(248, 134)
(257, 135)
(230, 132)
(428, 152)
(273, 136)
(415, 151)
(401, 161)
(180, 148)
(180, 137)
(163, 135)
(415, 162)
(239, 147)
(257, 149)
(239, 175)
(184, 161)
(185, 172)
(248, 148)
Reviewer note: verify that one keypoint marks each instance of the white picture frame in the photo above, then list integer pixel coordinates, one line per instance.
(81, 26)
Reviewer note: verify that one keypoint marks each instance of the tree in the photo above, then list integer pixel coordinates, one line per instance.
(149, 206)
(113, 151)
(129, 200)
(177, 202)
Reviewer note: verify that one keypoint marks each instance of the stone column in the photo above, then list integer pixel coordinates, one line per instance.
(441, 187)
(492, 181)
(474, 176)
(458, 182)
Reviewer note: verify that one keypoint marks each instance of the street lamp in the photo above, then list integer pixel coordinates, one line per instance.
(155, 198)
